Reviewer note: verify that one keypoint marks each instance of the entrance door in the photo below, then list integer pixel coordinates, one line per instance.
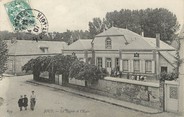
(171, 96)
(108, 64)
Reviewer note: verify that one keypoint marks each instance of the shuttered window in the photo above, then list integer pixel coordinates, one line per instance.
(148, 66)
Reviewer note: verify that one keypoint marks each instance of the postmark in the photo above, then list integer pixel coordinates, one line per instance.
(32, 21)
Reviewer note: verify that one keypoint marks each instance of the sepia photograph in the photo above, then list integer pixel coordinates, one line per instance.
(91, 58)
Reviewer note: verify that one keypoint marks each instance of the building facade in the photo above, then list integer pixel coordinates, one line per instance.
(21, 51)
(121, 50)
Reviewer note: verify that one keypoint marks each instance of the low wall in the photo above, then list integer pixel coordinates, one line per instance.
(77, 82)
(139, 92)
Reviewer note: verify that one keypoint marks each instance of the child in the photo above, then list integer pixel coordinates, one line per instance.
(32, 100)
(25, 102)
(20, 103)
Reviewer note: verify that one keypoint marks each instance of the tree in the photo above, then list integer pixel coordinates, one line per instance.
(150, 21)
(37, 65)
(3, 56)
(97, 26)
(88, 72)
(58, 64)
(168, 76)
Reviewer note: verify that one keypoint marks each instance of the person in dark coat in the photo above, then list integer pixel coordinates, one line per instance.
(20, 102)
(25, 102)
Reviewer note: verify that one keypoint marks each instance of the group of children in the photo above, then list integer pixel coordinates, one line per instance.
(23, 101)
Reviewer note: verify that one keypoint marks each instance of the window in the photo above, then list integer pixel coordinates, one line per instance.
(136, 66)
(173, 91)
(108, 62)
(163, 69)
(125, 65)
(148, 66)
(108, 43)
(99, 62)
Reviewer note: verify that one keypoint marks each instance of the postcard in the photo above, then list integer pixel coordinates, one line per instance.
(91, 58)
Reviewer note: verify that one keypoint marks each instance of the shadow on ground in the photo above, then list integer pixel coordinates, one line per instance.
(1, 101)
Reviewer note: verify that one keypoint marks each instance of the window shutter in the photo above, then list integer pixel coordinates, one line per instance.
(153, 66)
(121, 64)
(103, 62)
(140, 66)
(143, 66)
(129, 65)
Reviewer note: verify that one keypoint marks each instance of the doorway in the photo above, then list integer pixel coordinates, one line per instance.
(108, 64)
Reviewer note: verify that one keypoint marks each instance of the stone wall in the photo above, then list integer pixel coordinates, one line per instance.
(143, 93)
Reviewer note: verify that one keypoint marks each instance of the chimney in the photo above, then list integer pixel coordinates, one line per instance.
(158, 40)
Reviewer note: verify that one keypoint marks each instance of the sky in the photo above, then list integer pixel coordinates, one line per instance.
(76, 14)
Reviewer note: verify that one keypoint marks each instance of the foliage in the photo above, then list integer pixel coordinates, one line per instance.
(38, 64)
(68, 36)
(168, 76)
(179, 60)
(149, 21)
(76, 68)
(84, 71)
(3, 56)
(59, 64)
(97, 26)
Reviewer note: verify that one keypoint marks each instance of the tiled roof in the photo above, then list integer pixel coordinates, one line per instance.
(114, 31)
(120, 37)
(27, 47)
(81, 44)
(163, 45)
(139, 44)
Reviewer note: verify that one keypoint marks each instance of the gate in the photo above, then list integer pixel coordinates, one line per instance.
(58, 79)
(171, 96)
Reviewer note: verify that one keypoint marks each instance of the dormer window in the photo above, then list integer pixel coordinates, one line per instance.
(44, 49)
(108, 43)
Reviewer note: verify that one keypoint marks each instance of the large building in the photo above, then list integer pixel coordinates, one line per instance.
(118, 49)
(21, 51)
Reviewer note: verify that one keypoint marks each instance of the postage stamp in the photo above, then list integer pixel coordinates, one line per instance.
(13, 8)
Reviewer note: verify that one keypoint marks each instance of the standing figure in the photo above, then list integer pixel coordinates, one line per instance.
(25, 102)
(20, 103)
(32, 100)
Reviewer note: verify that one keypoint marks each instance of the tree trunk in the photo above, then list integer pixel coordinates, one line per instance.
(36, 76)
(65, 79)
(52, 77)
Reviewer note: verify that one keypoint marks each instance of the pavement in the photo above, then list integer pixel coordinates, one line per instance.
(97, 97)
